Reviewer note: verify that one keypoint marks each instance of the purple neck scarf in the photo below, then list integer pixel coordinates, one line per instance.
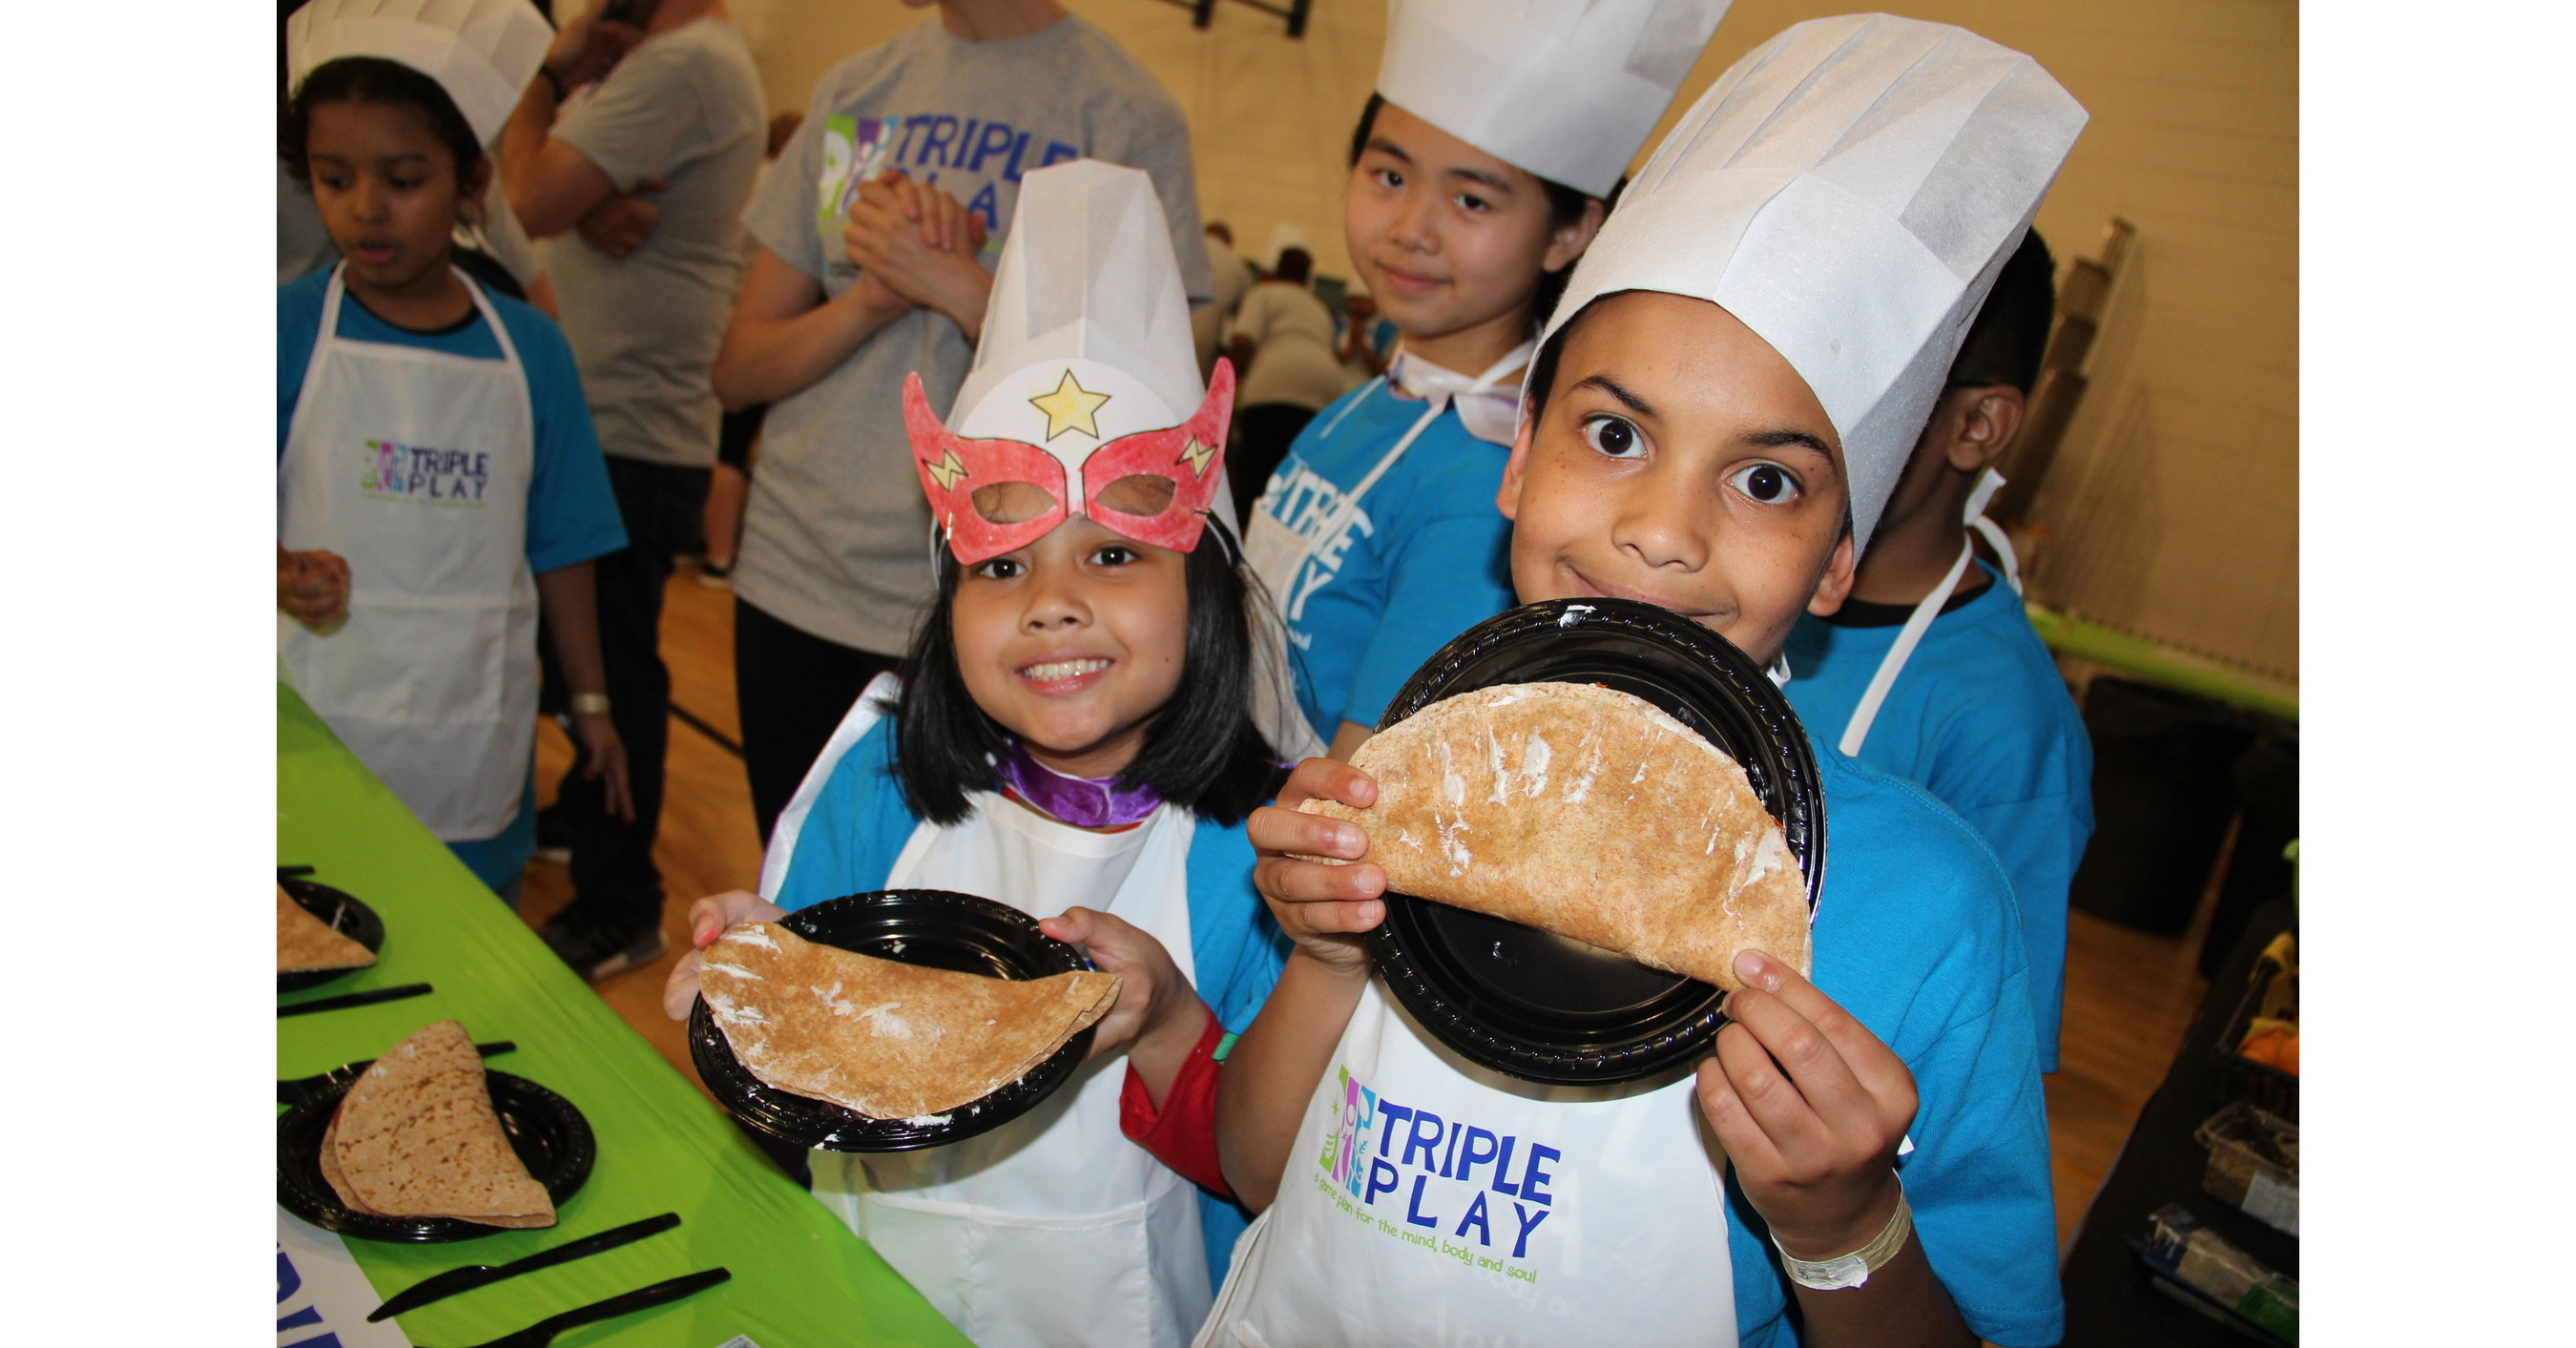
(1084, 802)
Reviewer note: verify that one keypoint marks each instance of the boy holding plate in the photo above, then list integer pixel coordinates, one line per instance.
(1713, 424)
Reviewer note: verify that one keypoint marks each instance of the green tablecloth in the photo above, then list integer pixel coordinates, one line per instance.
(800, 1279)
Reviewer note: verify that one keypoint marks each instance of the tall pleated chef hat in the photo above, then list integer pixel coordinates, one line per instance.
(482, 52)
(1849, 191)
(1086, 373)
(1564, 89)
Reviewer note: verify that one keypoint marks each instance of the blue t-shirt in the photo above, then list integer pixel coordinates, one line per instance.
(1915, 936)
(1425, 557)
(858, 824)
(572, 516)
(1982, 720)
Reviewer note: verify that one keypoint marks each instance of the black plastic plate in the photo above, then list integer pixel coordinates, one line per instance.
(551, 1137)
(339, 912)
(1538, 1006)
(936, 928)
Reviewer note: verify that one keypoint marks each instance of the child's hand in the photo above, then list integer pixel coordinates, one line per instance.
(708, 918)
(1157, 1011)
(1153, 998)
(312, 587)
(1322, 908)
(1814, 1149)
(603, 760)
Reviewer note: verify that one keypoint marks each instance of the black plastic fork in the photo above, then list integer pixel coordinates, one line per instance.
(543, 1332)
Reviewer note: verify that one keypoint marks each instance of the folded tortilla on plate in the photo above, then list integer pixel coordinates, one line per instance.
(306, 942)
(416, 1136)
(888, 1039)
(1586, 812)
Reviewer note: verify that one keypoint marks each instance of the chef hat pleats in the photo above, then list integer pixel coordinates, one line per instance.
(482, 52)
(1564, 89)
(1088, 275)
(1849, 191)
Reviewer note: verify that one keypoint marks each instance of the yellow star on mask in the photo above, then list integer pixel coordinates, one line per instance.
(1070, 408)
(1196, 456)
(947, 470)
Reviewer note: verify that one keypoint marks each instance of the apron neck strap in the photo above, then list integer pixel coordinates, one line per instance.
(1907, 638)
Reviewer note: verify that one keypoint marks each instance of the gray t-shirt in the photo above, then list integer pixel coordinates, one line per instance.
(685, 107)
(836, 541)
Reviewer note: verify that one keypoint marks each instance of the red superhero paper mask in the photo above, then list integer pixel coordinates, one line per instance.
(954, 469)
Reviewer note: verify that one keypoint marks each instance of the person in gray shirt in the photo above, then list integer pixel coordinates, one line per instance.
(644, 128)
(835, 563)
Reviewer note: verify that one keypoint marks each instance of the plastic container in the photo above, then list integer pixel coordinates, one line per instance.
(2253, 1164)
(2240, 1078)
(2200, 1268)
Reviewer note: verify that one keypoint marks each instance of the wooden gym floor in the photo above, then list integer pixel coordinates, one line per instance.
(2129, 996)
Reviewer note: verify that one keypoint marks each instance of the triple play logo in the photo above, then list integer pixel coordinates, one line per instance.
(1448, 1176)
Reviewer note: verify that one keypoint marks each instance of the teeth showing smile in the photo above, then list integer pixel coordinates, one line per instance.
(1062, 669)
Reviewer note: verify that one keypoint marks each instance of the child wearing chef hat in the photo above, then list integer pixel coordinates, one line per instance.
(1070, 734)
(1931, 671)
(432, 434)
(1720, 407)
(1479, 173)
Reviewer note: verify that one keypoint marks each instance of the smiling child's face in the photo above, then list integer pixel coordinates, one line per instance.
(1074, 642)
(1443, 235)
(1680, 461)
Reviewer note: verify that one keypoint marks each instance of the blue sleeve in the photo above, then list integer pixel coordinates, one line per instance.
(1916, 936)
(1445, 574)
(2018, 767)
(854, 831)
(1235, 946)
(2040, 841)
(572, 515)
(299, 326)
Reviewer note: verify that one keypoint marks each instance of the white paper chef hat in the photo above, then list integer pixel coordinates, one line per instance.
(1849, 191)
(1565, 89)
(1087, 276)
(482, 52)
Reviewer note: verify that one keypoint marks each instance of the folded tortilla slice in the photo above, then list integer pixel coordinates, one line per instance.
(890, 1040)
(306, 942)
(416, 1136)
(1589, 813)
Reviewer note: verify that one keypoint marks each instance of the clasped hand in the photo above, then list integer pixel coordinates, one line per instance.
(916, 245)
(1808, 1104)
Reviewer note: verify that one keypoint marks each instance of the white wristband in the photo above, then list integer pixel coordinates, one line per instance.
(1853, 1270)
(590, 704)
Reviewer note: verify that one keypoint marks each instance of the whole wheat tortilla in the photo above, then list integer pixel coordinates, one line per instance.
(306, 942)
(416, 1136)
(890, 1040)
(1589, 813)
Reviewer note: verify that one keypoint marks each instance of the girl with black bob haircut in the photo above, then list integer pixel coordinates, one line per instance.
(1072, 735)
(1202, 751)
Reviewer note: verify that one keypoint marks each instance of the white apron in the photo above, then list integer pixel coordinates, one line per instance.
(414, 465)
(1052, 1229)
(1429, 1201)
(1276, 553)
(1865, 712)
